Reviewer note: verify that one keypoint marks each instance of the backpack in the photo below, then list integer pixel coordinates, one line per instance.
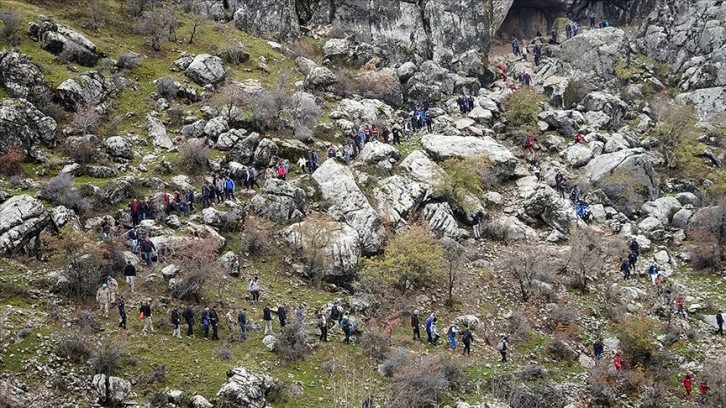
(500, 345)
(466, 336)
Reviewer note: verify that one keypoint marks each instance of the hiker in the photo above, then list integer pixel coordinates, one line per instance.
(575, 28)
(632, 260)
(250, 178)
(214, 321)
(346, 325)
(592, 20)
(145, 312)
(134, 210)
(502, 347)
(434, 332)
(524, 52)
(560, 184)
(451, 334)
(703, 388)
(228, 188)
(147, 250)
(254, 289)
(415, 326)
(396, 132)
(205, 323)
(133, 238)
(538, 172)
(427, 326)
(106, 228)
(323, 326)
(242, 321)
(282, 315)
(679, 305)
(175, 321)
(583, 211)
(475, 221)
(466, 338)
(312, 161)
(579, 138)
(529, 147)
(429, 122)
(618, 360)
(229, 319)
(719, 322)
(515, 47)
(625, 269)
(103, 297)
(188, 315)
(112, 287)
(267, 318)
(553, 34)
(653, 272)
(548, 52)
(687, 384)
(634, 247)
(122, 312)
(575, 195)
(568, 30)
(598, 347)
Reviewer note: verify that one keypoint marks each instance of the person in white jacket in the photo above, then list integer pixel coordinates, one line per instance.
(254, 289)
(103, 297)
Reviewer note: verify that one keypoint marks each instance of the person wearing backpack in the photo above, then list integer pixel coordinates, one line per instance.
(242, 320)
(323, 326)
(466, 338)
(632, 260)
(529, 147)
(625, 269)
(598, 348)
(205, 323)
(214, 321)
(188, 315)
(427, 326)
(434, 332)
(653, 272)
(175, 321)
(719, 322)
(415, 326)
(346, 325)
(502, 347)
(451, 334)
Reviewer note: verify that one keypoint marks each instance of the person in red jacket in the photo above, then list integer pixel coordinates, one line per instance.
(618, 360)
(687, 384)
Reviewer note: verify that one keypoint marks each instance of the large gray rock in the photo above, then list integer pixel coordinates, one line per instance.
(22, 218)
(316, 77)
(206, 69)
(441, 220)
(595, 51)
(157, 132)
(507, 228)
(198, 401)
(265, 153)
(610, 105)
(546, 204)
(215, 127)
(118, 389)
(341, 243)
(245, 389)
(336, 47)
(349, 204)
(442, 147)
(378, 154)
(229, 261)
(398, 198)
(280, 201)
(633, 165)
(118, 146)
(61, 40)
(419, 167)
(663, 208)
(276, 17)
(362, 112)
(23, 125)
(708, 102)
(88, 90)
(383, 84)
(20, 76)
(577, 155)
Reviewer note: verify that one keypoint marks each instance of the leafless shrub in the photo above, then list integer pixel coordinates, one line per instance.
(167, 87)
(422, 382)
(106, 359)
(255, 238)
(82, 151)
(175, 116)
(375, 343)
(98, 13)
(223, 353)
(157, 375)
(709, 229)
(292, 342)
(232, 220)
(519, 328)
(11, 161)
(590, 257)
(12, 22)
(194, 157)
(527, 265)
(347, 84)
(60, 191)
(75, 347)
(560, 351)
(152, 24)
(395, 359)
(129, 60)
(86, 120)
(561, 318)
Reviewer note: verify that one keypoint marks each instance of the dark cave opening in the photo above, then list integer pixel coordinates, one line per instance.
(527, 18)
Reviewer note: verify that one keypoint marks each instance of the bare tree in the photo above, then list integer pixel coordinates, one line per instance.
(590, 256)
(312, 240)
(229, 100)
(86, 120)
(526, 264)
(196, 19)
(708, 227)
(172, 22)
(12, 22)
(98, 12)
(455, 258)
(153, 24)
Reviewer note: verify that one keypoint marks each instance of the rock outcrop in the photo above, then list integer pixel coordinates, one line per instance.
(446, 147)
(63, 41)
(280, 201)
(632, 165)
(22, 218)
(22, 124)
(245, 389)
(21, 76)
(87, 90)
(206, 69)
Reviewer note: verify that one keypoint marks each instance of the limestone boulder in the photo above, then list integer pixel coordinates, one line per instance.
(245, 389)
(341, 243)
(545, 204)
(22, 124)
(398, 198)
(118, 146)
(664, 208)
(595, 51)
(280, 201)
(22, 218)
(577, 155)
(442, 147)
(157, 132)
(20, 76)
(59, 39)
(206, 69)
(633, 165)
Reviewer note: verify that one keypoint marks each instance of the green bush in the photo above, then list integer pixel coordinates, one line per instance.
(523, 107)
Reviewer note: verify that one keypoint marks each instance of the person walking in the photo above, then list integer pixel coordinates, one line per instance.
(267, 318)
(282, 315)
(347, 328)
(242, 321)
(625, 269)
(415, 326)
(122, 312)
(145, 311)
(598, 347)
(502, 347)
(103, 297)
(175, 321)
(323, 325)
(130, 274)
(147, 249)
(680, 303)
(434, 332)
(618, 360)
(466, 338)
(205, 323)
(719, 322)
(687, 384)
(214, 321)
(112, 287)
(427, 326)
(451, 334)
(188, 315)
(230, 320)
(254, 289)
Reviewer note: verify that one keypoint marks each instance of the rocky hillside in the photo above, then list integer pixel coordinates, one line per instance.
(501, 195)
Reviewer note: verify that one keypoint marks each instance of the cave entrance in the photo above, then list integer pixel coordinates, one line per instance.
(526, 18)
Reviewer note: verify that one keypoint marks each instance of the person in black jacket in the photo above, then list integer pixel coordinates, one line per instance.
(598, 348)
(242, 320)
(282, 315)
(214, 320)
(175, 321)
(130, 274)
(122, 312)
(415, 326)
(147, 248)
(188, 315)
(267, 317)
(145, 310)
(719, 322)
(466, 338)
(205, 323)
(635, 247)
